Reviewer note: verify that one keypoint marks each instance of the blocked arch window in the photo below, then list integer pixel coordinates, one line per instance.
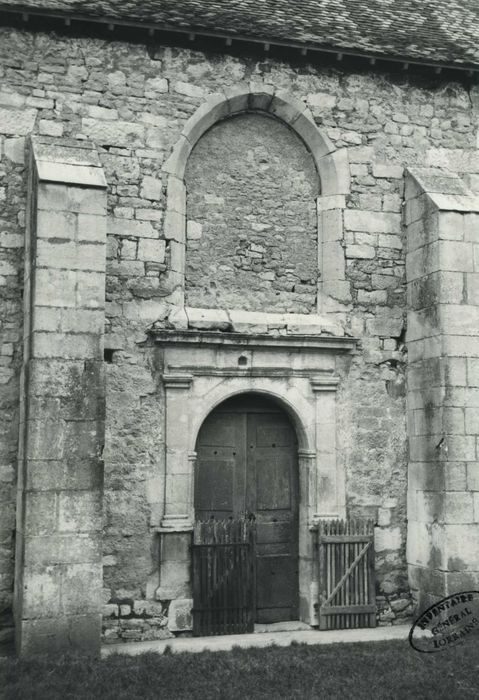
(252, 230)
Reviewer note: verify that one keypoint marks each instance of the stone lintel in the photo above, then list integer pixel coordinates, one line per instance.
(253, 340)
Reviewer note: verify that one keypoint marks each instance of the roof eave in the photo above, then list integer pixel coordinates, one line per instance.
(304, 49)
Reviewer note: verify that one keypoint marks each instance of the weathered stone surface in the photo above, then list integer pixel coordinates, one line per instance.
(208, 319)
(116, 133)
(149, 608)
(150, 188)
(385, 539)
(179, 615)
(18, 122)
(371, 221)
(151, 250)
(385, 170)
(194, 230)
(14, 150)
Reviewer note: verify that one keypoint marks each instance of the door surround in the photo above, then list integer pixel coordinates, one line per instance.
(203, 369)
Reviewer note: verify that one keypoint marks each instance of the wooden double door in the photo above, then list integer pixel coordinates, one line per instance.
(247, 466)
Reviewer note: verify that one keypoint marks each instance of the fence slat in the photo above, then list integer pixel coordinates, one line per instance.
(223, 554)
(345, 560)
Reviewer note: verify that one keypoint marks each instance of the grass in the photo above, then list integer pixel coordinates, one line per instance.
(373, 670)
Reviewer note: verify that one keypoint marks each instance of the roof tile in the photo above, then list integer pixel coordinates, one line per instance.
(429, 30)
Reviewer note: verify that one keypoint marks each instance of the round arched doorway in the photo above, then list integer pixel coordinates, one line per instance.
(247, 466)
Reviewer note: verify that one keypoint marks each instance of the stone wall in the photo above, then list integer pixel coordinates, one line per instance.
(252, 221)
(133, 105)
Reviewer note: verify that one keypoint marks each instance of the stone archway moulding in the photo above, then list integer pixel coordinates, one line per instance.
(332, 166)
(291, 402)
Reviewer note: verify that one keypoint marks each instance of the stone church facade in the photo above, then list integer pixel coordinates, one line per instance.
(184, 223)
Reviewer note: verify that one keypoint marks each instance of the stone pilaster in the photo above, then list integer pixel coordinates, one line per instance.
(177, 523)
(308, 475)
(442, 224)
(58, 559)
(328, 498)
(179, 468)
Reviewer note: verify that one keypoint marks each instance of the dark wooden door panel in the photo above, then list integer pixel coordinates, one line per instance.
(272, 476)
(273, 434)
(214, 493)
(219, 430)
(269, 548)
(276, 588)
(269, 532)
(220, 470)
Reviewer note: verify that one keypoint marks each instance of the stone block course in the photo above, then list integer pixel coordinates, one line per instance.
(18, 122)
(117, 133)
(48, 475)
(68, 549)
(371, 221)
(70, 256)
(52, 197)
(130, 227)
(152, 250)
(362, 251)
(151, 188)
(385, 170)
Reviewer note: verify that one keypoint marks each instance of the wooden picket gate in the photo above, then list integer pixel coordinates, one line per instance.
(223, 555)
(345, 559)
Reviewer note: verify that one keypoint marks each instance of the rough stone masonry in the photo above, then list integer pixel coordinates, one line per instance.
(89, 263)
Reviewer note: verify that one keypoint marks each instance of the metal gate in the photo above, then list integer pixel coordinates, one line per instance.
(223, 577)
(345, 558)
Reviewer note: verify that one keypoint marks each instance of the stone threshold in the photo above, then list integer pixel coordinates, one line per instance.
(260, 639)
